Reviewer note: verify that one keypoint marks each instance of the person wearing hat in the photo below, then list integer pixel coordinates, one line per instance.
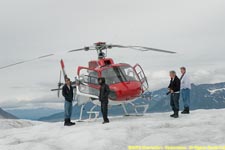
(103, 98)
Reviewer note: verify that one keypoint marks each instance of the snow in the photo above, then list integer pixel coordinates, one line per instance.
(15, 123)
(216, 90)
(201, 127)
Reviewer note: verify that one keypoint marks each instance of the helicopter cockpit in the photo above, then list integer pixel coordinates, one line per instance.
(113, 75)
(117, 74)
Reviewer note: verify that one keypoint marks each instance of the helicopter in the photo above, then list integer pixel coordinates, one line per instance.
(127, 83)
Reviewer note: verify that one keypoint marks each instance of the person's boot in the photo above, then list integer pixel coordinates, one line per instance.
(176, 114)
(186, 110)
(172, 114)
(104, 122)
(67, 123)
(71, 123)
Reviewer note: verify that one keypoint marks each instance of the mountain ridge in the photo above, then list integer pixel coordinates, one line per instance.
(203, 96)
(6, 115)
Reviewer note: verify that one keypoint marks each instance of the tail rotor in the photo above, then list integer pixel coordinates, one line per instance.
(60, 83)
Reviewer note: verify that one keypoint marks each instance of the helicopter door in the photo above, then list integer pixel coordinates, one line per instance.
(141, 75)
(88, 79)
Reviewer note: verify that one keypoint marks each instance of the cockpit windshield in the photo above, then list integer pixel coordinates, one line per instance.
(118, 74)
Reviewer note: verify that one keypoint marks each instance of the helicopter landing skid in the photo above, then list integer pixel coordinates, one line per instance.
(135, 107)
(81, 114)
(139, 110)
(93, 115)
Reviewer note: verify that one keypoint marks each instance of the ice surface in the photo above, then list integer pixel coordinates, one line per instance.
(201, 127)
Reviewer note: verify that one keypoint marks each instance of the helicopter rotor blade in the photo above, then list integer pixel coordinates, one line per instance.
(56, 89)
(75, 50)
(59, 84)
(86, 48)
(25, 61)
(14, 64)
(95, 47)
(142, 48)
(119, 46)
(60, 75)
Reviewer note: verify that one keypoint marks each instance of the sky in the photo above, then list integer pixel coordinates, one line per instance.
(195, 29)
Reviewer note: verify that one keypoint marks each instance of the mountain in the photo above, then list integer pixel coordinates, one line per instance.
(6, 115)
(33, 114)
(202, 127)
(204, 96)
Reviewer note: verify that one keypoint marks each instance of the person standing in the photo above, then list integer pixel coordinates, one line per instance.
(174, 90)
(103, 98)
(185, 90)
(67, 92)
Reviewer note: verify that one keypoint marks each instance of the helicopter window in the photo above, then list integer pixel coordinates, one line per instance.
(89, 76)
(93, 77)
(119, 74)
(130, 74)
(108, 62)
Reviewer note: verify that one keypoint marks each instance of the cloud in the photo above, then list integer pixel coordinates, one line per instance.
(208, 76)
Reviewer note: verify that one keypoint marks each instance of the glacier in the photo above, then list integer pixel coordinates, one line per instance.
(201, 127)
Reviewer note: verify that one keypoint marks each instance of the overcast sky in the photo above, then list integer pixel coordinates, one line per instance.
(193, 28)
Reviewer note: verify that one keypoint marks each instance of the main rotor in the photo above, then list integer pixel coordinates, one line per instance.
(99, 47)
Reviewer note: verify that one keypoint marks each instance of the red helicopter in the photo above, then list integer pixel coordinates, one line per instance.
(126, 82)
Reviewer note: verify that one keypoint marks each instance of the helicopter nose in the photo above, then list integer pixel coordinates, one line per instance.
(127, 91)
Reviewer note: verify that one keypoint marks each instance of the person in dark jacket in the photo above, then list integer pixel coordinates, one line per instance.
(174, 90)
(103, 98)
(67, 92)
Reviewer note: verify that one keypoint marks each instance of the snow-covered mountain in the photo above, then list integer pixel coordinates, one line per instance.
(201, 127)
(204, 96)
(33, 114)
(6, 115)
